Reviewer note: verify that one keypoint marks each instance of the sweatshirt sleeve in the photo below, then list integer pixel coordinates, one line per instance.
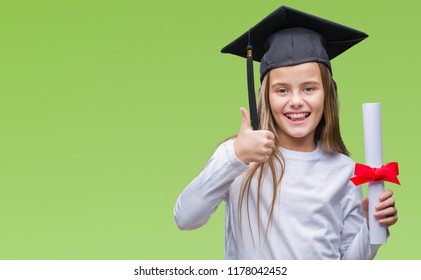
(355, 235)
(202, 196)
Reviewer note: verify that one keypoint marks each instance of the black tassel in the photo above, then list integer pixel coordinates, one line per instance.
(250, 84)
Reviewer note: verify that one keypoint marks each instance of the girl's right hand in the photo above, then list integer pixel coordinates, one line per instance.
(253, 145)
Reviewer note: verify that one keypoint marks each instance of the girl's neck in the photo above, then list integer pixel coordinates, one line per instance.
(305, 144)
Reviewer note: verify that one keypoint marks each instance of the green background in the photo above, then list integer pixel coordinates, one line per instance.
(110, 108)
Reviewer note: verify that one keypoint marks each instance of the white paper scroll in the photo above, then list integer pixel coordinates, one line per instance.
(374, 158)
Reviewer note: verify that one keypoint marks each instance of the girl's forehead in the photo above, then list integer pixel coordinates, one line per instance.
(304, 71)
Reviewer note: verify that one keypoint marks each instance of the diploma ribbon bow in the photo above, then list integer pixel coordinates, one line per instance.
(387, 172)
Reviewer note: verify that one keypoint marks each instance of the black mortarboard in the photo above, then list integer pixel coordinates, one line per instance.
(288, 37)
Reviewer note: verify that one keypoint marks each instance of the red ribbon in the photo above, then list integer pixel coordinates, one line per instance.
(387, 172)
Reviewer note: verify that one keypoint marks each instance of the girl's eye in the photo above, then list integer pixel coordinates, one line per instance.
(308, 89)
(282, 91)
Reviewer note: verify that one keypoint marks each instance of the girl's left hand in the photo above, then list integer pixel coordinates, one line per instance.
(387, 214)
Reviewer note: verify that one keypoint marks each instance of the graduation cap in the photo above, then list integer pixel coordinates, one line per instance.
(289, 37)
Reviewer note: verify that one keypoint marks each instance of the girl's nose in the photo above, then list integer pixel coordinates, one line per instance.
(296, 100)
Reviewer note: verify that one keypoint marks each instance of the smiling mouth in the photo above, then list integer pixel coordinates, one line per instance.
(297, 116)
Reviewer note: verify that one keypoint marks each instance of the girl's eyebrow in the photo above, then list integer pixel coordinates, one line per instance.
(280, 84)
(309, 82)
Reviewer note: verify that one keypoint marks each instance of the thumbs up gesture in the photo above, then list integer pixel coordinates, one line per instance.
(253, 145)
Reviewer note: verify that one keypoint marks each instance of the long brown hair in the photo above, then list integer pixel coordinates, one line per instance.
(327, 133)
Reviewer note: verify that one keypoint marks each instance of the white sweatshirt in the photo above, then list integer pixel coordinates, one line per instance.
(317, 213)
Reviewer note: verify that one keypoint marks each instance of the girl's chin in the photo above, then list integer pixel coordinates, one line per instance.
(299, 134)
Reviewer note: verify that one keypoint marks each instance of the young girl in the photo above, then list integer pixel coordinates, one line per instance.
(286, 186)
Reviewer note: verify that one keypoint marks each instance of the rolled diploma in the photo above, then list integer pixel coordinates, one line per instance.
(374, 158)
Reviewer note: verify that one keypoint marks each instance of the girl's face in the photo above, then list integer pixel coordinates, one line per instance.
(296, 99)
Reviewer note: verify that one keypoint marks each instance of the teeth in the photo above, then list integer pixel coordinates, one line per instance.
(297, 116)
